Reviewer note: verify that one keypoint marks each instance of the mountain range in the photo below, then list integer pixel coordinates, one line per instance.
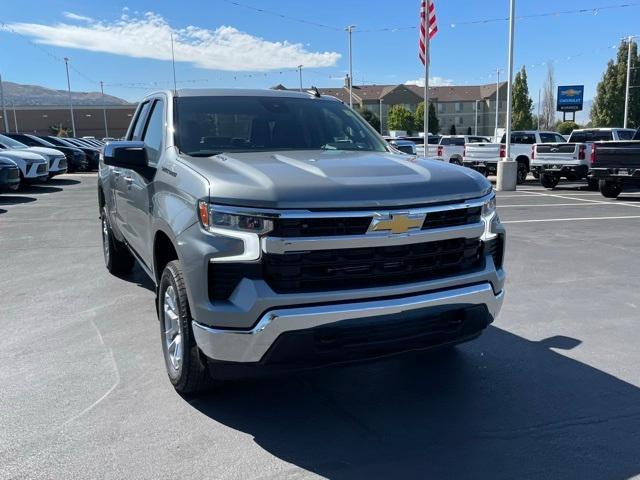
(35, 95)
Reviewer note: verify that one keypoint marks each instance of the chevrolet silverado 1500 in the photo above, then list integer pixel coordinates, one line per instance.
(281, 230)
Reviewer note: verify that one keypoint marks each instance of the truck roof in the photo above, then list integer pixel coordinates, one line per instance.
(603, 129)
(240, 92)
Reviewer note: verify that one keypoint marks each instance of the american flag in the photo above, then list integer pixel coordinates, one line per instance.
(433, 26)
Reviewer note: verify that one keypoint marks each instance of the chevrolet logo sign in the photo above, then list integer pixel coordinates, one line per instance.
(396, 222)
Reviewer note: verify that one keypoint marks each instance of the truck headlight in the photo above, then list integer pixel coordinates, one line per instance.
(245, 227)
(489, 216)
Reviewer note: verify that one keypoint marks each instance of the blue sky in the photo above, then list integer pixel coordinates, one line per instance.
(219, 44)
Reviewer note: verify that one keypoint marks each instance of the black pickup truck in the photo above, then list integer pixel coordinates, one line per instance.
(616, 165)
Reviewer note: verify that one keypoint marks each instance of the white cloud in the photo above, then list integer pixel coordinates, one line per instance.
(75, 16)
(148, 36)
(433, 82)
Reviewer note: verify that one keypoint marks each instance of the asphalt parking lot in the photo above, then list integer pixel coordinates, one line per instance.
(551, 390)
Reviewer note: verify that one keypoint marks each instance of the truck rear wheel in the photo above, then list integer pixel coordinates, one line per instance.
(610, 189)
(187, 368)
(592, 183)
(523, 171)
(117, 257)
(549, 181)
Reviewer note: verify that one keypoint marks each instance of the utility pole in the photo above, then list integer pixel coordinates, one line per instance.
(626, 93)
(507, 168)
(349, 30)
(495, 132)
(73, 121)
(538, 109)
(380, 116)
(104, 110)
(300, 73)
(4, 109)
(476, 129)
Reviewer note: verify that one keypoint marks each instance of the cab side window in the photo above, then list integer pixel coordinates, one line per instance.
(139, 122)
(153, 133)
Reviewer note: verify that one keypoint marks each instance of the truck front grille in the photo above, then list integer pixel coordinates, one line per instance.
(331, 227)
(370, 267)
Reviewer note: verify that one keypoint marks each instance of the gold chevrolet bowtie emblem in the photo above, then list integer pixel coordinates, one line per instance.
(397, 222)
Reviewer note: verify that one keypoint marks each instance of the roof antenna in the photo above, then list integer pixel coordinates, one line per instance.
(314, 91)
(173, 63)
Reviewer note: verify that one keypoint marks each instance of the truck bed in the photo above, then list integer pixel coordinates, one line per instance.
(615, 155)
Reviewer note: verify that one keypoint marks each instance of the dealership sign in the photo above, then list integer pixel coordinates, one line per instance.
(570, 98)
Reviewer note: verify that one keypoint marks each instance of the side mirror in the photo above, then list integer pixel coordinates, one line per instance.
(131, 155)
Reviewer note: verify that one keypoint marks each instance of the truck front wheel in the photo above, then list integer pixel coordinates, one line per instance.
(186, 367)
(549, 181)
(610, 189)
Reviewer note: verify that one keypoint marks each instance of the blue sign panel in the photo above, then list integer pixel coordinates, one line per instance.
(570, 98)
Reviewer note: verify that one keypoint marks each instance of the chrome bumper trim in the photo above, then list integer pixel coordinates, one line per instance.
(251, 345)
(280, 245)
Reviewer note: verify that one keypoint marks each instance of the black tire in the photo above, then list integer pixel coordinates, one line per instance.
(523, 170)
(117, 257)
(455, 161)
(536, 175)
(592, 183)
(191, 373)
(549, 181)
(610, 189)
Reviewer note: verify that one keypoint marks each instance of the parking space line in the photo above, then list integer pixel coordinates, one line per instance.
(570, 219)
(500, 207)
(565, 197)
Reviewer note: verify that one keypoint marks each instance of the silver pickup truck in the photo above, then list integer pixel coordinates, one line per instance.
(281, 231)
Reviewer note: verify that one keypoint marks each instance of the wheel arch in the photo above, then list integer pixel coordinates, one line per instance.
(524, 159)
(164, 251)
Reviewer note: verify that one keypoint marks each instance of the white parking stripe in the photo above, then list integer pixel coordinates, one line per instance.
(565, 197)
(570, 219)
(500, 207)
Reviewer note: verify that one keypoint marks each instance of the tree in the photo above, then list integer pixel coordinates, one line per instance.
(370, 117)
(565, 128)
(608, 105)
(400, 119)
(521, 117)
(548, 115)
(452, 130)
(434, 122)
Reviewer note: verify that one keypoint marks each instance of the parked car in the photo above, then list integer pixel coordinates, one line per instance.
(57, 160)
(451, 147)
(404, 146)
(281, 230)
(9, 174)
(33, 166)
(76, 159)
(555, 158)
(616, 165)
(92, 154)
(484, 157)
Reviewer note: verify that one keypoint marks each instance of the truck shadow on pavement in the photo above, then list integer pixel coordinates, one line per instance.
(499, 407)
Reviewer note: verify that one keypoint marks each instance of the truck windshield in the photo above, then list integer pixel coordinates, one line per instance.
(210, 125)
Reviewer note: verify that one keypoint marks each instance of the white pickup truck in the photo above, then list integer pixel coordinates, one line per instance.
(553, 158)
(484, 157)
(451, 147)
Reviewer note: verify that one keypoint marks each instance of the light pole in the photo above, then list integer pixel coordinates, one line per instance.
(507, 168)
(349, 30)
(15, 117)
(538, 109)
(104, 110)
(476, 128)
(626, 93)
(300, 73)
(4, 109)
(495, 131)
(380, 116)
(73, 122)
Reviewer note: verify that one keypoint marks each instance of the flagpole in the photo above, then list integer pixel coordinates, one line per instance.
(426, 77)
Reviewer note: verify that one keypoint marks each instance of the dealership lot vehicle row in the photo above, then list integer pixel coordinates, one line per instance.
(96, 400)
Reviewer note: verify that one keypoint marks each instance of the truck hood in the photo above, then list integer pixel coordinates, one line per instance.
(335, 179)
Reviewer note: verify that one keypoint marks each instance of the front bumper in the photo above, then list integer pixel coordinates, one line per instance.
(9, 178)
(57, 166)
(255, 344)
(37, 172)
